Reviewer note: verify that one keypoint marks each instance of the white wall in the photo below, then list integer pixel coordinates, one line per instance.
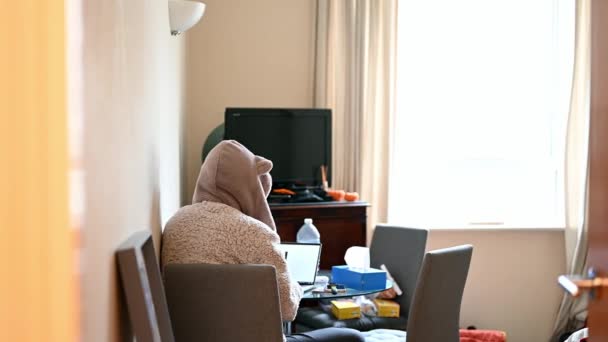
(131, 103)
(245, 53)
(512, 283)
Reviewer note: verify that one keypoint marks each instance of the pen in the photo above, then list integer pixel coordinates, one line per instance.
(329, 291)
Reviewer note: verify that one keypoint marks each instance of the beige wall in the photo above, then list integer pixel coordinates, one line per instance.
(245, 53)
(512, 283)
(131, 103)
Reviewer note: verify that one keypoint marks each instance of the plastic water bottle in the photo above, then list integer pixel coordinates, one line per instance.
(308, 233)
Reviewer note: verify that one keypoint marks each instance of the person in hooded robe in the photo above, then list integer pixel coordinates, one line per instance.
(229, 222)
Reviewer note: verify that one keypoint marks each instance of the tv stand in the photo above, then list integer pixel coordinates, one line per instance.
(341, 225)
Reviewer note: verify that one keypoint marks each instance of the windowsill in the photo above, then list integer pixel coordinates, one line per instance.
(548, 225)
(495, 228)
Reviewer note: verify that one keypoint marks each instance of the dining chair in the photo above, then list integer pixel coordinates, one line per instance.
(435, 309)
(228, 303)
(197, 302)
(401, 250)
(143, 289)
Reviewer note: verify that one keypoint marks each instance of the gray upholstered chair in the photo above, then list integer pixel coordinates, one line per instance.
(143, 290)
(435, 309)
(198, 302)
(401, 249)
(229, 303)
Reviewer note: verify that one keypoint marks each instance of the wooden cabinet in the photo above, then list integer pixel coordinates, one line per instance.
(341, 225)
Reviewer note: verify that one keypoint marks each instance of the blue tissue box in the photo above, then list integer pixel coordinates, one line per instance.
(359, 278)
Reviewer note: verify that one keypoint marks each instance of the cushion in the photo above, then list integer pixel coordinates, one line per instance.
(384, 335)
(316, 318)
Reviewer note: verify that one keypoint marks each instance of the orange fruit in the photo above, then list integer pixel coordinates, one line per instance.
(337, 195)
(351, 196)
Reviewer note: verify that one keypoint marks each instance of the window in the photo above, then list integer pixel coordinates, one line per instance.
(483, 91)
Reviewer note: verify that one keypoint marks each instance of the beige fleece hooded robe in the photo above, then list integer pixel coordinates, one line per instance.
(229, 221)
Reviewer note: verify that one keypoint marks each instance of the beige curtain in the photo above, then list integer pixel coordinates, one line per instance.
(572, 311)
(355, 77)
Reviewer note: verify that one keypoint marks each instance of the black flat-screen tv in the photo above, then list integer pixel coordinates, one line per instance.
(297, 141)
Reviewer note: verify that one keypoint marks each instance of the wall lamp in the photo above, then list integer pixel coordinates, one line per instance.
(183, 14)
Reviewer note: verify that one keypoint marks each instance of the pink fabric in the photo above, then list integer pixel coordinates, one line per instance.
(234, 176)
(482, 336)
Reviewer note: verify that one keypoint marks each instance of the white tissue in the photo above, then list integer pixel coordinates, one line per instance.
(357, 257)
(390, 277)
(322, 280)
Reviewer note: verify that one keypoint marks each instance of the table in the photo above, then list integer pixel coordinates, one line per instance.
(310, 296)
(349, 293)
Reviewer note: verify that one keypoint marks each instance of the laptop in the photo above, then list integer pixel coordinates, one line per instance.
(302, 262)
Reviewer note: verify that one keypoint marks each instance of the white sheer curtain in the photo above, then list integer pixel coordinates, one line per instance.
(572, 312)
(483, 90)
(355, 70)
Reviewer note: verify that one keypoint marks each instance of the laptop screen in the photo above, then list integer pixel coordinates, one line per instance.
(302, 261)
